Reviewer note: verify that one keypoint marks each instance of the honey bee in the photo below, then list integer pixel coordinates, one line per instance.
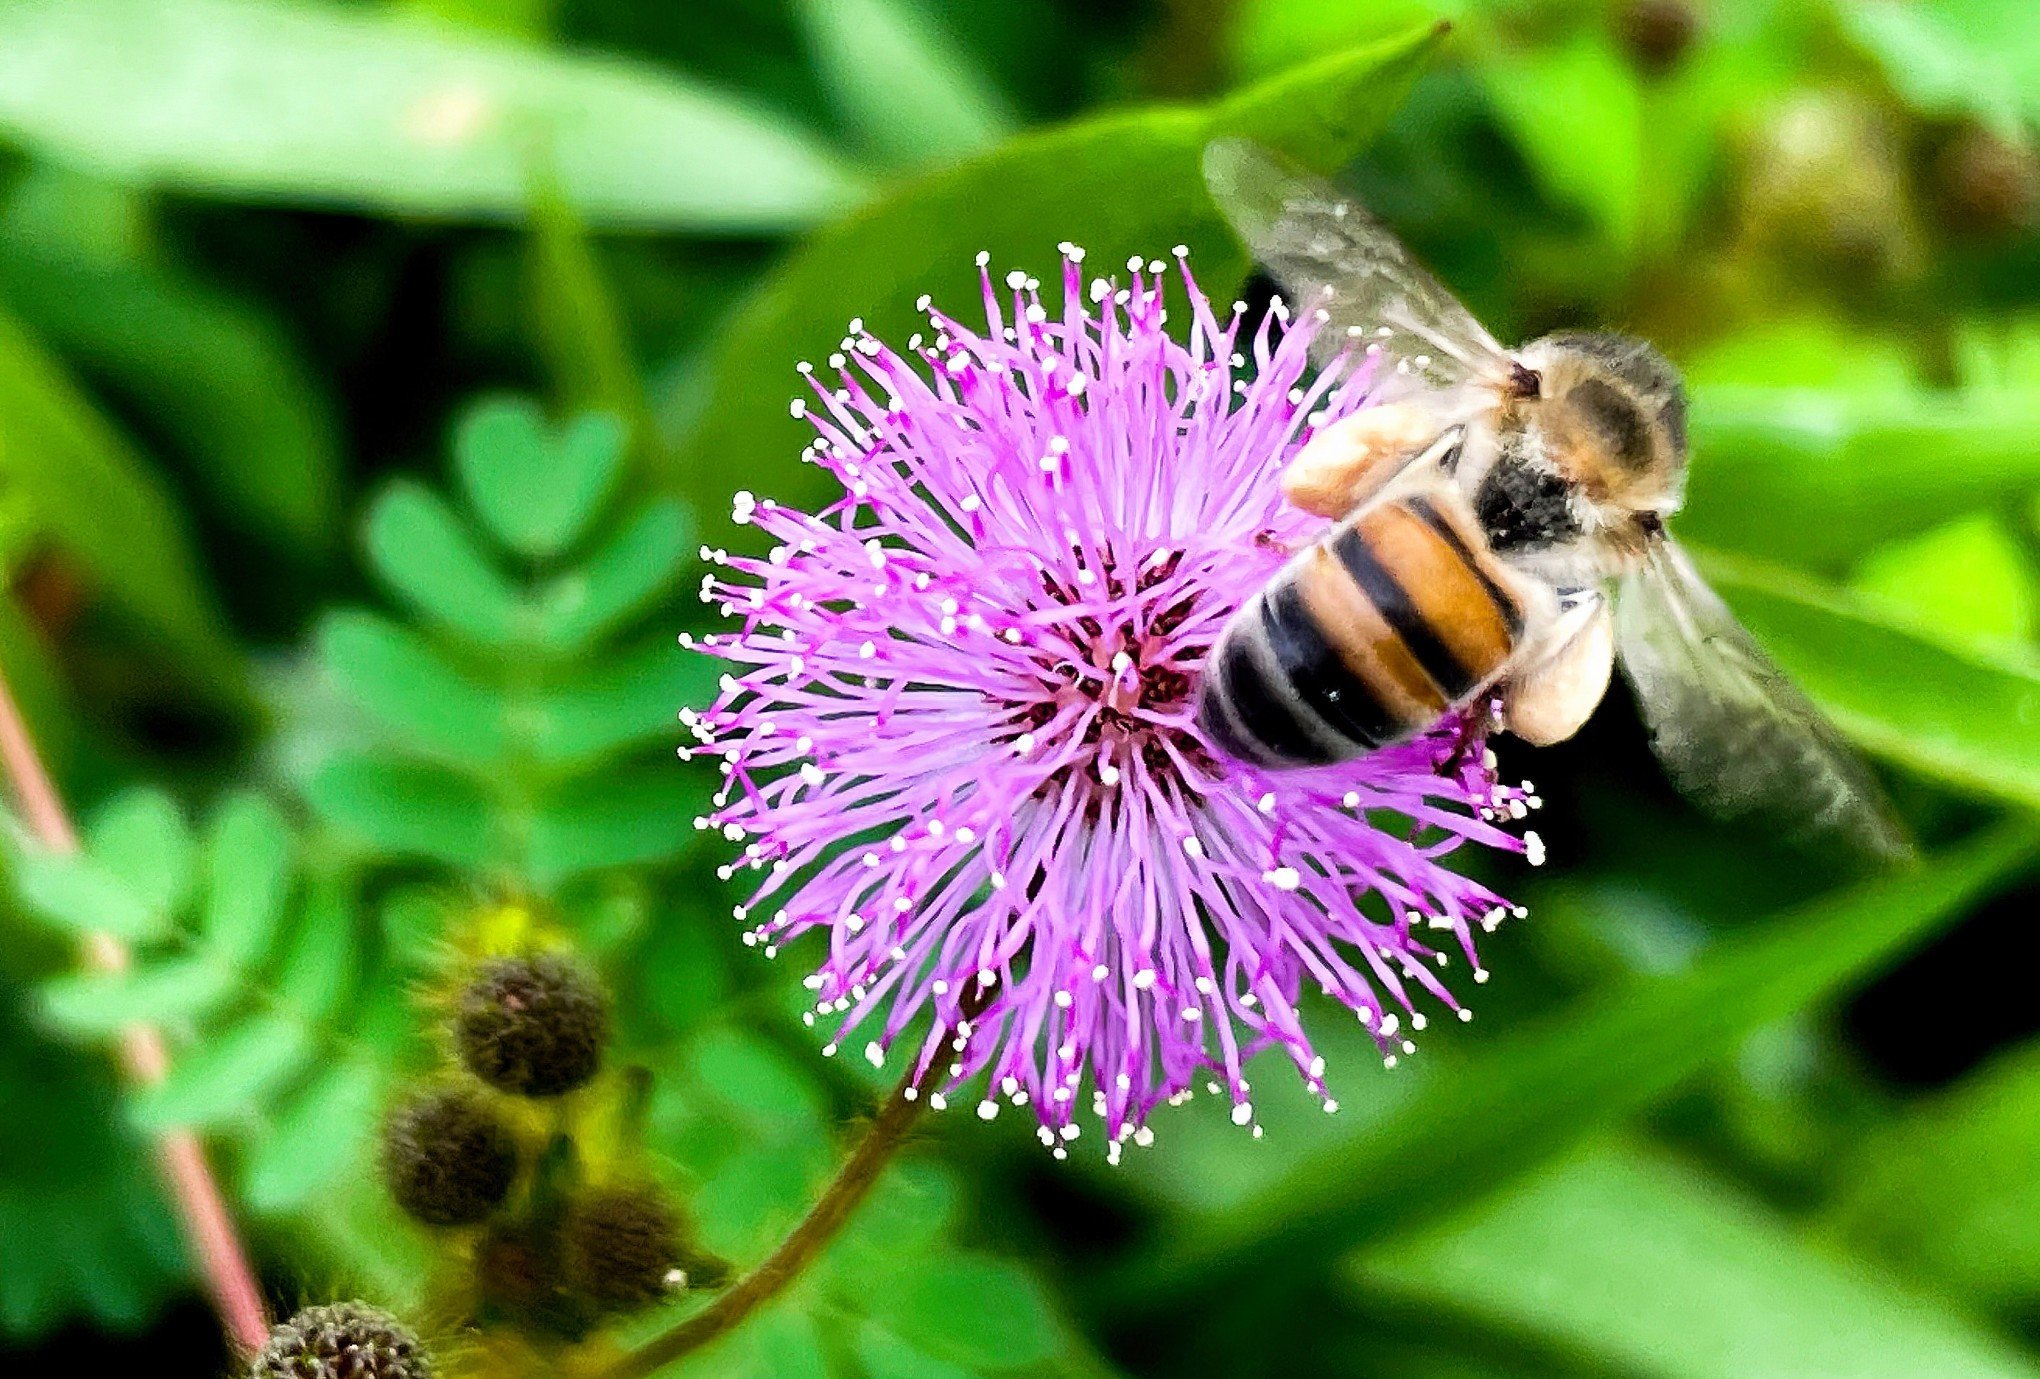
(1499, 532)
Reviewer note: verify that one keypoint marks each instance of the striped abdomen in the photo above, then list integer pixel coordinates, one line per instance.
(1365, 639)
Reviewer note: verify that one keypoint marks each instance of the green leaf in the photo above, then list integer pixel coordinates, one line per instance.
(101, 1003)
(1121, 183)
(227, 1076)
(66, 475)
(1947, 1192)
(322, 961)
(398, 677)
(1576, 112)
(1964, 718)
(1968, 581)
(141, 838)
(758, 1085)
(1821, 477)
(577, 323)
(84, 898)
(1653, 1270)
(432, 562)
(900, 82)
(635, 566)
(537, 490)
(613, 820)
(1979, 57)
(217, 378)
(1461, 1128)
(359, 109)
(252, 865)
(317, 1136)
(630, 700)
(886, 1356)
(405, 807)
(1010, 1322)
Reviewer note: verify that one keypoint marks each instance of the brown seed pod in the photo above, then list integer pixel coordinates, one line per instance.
(533, 1027)
(447, 1159)
(341, 1340)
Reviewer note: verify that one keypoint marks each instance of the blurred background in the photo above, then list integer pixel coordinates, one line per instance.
(1728, 1111)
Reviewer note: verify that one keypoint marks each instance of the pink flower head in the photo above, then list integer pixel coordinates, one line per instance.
(959, 739)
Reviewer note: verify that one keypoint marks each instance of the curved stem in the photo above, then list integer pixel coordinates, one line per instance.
(201, 1209)
(831, 1211)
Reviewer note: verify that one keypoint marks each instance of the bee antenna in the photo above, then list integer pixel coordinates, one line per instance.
(1524, 381)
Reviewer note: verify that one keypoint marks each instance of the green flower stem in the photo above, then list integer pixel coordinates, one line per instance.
(201, 1209)
(830, 1213)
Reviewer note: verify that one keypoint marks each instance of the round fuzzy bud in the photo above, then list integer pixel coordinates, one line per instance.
(532, 1026)
(447, 1159)
(1657, 33)
(620, 1244)
(341, 1340)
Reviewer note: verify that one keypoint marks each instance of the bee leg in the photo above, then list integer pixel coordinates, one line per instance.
(1564, 676)
(1353, 459)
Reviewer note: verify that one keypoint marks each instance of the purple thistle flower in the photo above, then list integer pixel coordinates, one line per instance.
(961, 741)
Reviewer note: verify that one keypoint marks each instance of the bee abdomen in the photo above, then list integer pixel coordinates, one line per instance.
(1362, 641)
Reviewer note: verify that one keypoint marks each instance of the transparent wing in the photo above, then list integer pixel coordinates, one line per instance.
(1732, 731)
(1328, 253)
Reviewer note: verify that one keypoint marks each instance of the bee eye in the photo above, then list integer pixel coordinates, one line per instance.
(1653, 525)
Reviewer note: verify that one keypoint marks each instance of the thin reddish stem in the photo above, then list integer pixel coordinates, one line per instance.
(201, 1210)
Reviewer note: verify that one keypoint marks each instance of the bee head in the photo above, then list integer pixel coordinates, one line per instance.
(1615, 410)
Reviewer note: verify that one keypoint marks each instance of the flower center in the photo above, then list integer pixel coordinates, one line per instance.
(1114, 675)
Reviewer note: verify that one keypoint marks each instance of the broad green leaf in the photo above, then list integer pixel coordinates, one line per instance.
(317, 1136)
(1010, 1322)
(252, 865)
(88, 1234)
(613, 820)
(886, 1356)
(218, 380)
(1977, 57)
(1576, 112)
(630, 700)
(1947, 1192)
(1821, 477)
(632, 568)
(227, 1076)
(1649, 1267)
(1121, 183)
(405, 807)
(911, 94)
(758, 1084)
(397, 676)
(535, 487)
(1970, 719)
(323, 105)
(1267, 35)
(1966, 582)
(85, 898)
(430, 560)
(753, 1198)
(100, 1003)
(141, 837)
(68, 477)
(1460, 1128)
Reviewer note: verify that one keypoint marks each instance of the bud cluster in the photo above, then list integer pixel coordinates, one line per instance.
(550, 1245)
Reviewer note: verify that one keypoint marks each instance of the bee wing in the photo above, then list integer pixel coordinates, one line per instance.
(1328, 253)
(1736, 735)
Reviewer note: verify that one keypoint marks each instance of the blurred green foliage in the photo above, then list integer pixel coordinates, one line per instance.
(367, 371)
